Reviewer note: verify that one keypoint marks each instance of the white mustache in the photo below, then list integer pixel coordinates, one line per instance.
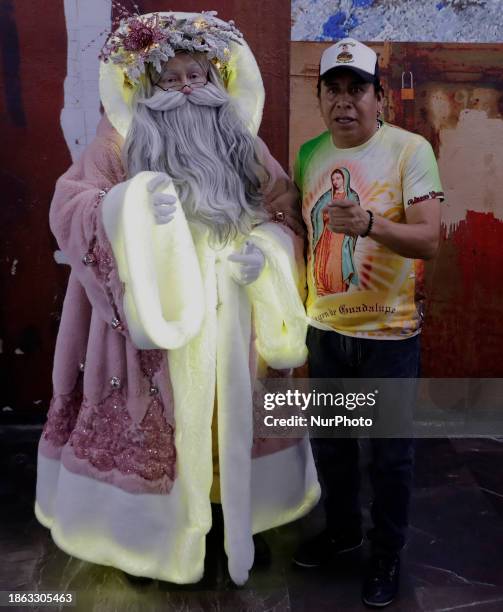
(209, 95)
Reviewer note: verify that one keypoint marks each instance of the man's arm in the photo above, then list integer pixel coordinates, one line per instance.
(417, 238)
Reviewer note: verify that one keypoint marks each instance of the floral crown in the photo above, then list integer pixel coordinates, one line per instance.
(155, 38)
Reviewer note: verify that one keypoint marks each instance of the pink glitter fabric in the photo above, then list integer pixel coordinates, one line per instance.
(106, 436)
(104, 260)
(62, 417)
(108, 275)
(150, 361)
(103, 441)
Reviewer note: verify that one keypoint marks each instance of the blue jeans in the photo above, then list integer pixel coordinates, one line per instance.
(332, 355)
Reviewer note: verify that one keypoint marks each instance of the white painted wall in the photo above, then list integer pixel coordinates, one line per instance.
(471, 175)
(85, 20)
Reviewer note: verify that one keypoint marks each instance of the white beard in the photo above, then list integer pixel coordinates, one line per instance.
(199, 140)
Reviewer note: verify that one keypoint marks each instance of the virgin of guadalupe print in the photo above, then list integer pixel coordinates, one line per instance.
(334, 265)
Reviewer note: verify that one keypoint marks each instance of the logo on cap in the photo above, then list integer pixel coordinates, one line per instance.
(345, 57)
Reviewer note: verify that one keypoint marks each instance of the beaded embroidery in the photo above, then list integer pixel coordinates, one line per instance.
(62, 417)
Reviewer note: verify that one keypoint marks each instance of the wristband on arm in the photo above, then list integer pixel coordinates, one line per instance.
(369, 227)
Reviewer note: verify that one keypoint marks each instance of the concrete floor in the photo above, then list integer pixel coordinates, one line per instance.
(454, 558)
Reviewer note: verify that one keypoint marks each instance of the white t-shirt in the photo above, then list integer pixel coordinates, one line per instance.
(357, 286)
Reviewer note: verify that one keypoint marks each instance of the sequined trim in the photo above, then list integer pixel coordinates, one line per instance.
(106, 437)
(101, 252)
(105, 262)
(62, 417)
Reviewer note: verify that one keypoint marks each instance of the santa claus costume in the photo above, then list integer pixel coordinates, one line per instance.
(155, 335)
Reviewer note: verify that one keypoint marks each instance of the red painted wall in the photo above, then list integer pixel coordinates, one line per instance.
(463, 335)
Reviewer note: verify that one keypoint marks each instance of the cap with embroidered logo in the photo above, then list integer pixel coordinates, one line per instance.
(353, 55)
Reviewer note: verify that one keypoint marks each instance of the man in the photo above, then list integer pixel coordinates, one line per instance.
(180, 294)
(384, 214)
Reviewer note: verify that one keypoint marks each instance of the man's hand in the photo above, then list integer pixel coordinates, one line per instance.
(163, 204)
(347, 217)
(251, 262)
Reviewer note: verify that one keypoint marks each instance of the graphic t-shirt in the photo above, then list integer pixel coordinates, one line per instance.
(357, 286)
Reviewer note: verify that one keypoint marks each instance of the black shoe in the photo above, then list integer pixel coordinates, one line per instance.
(381, 582)
(325, 546)
(262, 552)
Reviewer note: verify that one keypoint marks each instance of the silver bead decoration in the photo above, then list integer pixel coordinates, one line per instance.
(82, 366)
(115, 323)
(115, 382)
(89, 259)
(154, 390)
(102, 193)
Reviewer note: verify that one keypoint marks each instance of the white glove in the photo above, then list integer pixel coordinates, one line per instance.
(60, 258)
(163, 204)
(250, 262)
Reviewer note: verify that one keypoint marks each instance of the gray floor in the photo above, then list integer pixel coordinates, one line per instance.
(454, 558)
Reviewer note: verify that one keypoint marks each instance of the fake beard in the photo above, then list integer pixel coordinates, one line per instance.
(200, 142)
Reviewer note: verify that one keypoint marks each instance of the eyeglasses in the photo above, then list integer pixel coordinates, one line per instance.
(179, 85)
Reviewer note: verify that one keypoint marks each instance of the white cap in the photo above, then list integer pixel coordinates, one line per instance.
(352, 54)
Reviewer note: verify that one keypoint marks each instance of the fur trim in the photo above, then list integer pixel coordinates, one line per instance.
(279, 315)
(165, 314)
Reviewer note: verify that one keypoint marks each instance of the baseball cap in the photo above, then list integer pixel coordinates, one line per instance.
(353, 55)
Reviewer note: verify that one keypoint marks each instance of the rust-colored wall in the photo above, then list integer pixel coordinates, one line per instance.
(458, 107)
(33, 155)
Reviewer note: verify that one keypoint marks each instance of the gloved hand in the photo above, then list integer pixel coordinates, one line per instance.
(163, 204)
(250, 263)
